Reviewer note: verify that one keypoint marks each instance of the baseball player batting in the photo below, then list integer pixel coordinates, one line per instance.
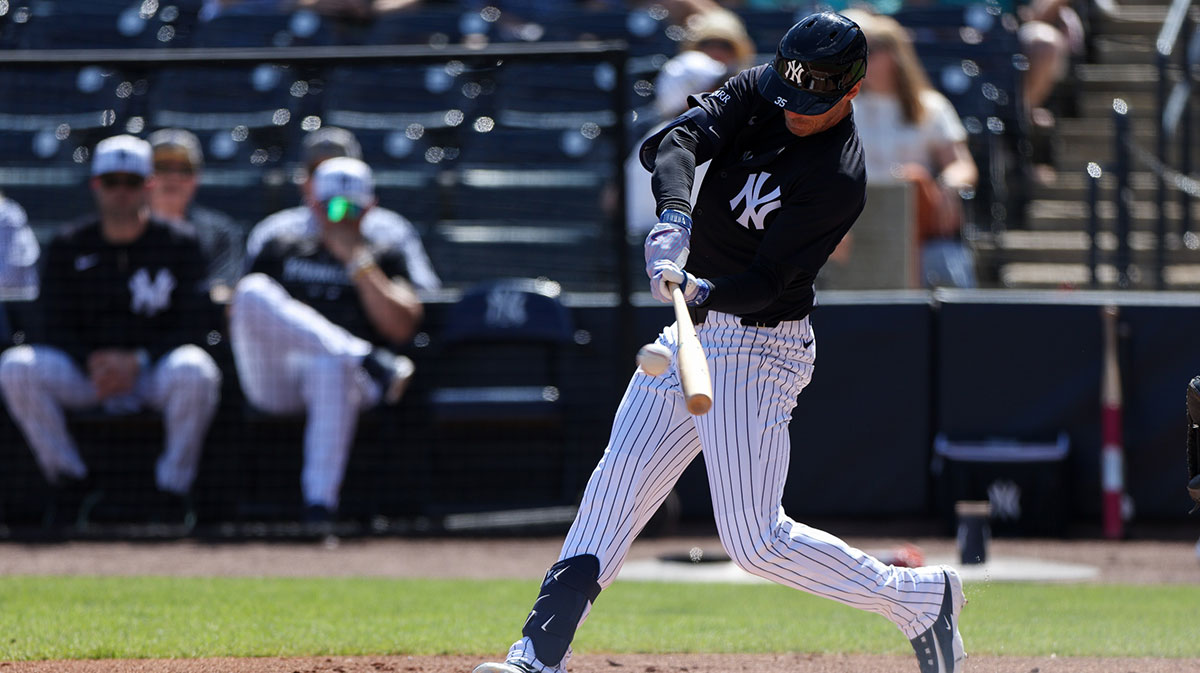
(785, 184)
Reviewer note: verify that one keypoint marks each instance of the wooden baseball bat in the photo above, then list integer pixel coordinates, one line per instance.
(690, 360)
(1112, 454)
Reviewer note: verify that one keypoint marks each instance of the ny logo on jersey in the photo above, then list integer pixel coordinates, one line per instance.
(151, 297)
(505, 308)
(758, 205)
(1005, 498)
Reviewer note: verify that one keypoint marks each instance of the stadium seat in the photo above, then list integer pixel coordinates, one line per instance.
(243, 194)
(645, 30)
(254, 29)
(566, 148)
(523, 194)
(555, 96)
(257, 107)
(37, 98)
(428, 26)
(412, 191)
(52, 201)
(472, 251)
(503, 350)
(766, 27)
(395, 98)
(89, 28)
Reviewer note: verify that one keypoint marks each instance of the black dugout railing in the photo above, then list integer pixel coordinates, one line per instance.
(1173, 129)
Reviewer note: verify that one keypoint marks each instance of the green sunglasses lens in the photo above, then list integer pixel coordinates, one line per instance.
(338, 208)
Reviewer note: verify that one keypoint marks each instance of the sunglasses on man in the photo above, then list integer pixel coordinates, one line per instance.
(340, 208)
(127, 180)
(171, 168)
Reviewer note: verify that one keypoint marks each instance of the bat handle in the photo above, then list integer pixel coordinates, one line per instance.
(694, 377)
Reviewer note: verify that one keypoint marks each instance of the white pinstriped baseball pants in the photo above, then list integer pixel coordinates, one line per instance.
(289, 359)
(40, 381)
(757, 375)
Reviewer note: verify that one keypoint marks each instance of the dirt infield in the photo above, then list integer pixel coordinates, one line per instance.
(1129, 562)
(1138, 562)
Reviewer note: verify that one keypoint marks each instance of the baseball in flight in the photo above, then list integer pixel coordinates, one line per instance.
(654, 358)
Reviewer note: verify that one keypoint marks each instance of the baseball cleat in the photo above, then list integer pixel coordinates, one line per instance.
(940, 648)
(392, 372)
(401, 376)
(502, 667)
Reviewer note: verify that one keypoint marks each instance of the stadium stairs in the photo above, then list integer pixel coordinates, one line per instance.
(1051, 249)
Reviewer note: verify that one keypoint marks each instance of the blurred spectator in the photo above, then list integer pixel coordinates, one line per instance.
(721, 35)
(18, 253)
(178, 161)
(121, 294)
(339, 9)
(1051, 32)
(331, 290)
(688, 73)
(911, 133)
(214, 8)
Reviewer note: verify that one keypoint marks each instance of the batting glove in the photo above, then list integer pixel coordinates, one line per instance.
(695, 290)
(668, 240)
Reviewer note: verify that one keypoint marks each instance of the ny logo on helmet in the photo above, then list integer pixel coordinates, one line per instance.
(758, 205)
(794, 71)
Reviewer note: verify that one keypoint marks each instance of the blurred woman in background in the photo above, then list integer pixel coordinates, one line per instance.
(911, 133)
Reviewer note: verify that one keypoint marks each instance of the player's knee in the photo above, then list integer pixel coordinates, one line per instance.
(255, 290)
(194, 369)
(749, 544)
(17, 368)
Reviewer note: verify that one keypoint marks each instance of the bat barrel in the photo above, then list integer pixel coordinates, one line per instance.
(690, 360)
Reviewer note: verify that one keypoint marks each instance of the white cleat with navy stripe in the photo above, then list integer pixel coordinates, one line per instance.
(940, 648)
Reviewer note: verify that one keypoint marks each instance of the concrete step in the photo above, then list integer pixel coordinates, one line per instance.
(1095, 130)
(1050, 215)
(1061, 276)
(1072, 185)
(1072, 152)
(1073, 247)
(1102, 126)
(1145, 20)
(1078, 141)
(1120, 49)
(1120, 79)
(1096, 104)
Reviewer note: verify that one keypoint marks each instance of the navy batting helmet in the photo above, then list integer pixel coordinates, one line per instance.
(819, 60)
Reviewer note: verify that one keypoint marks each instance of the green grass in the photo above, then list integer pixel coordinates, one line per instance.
(101, 617)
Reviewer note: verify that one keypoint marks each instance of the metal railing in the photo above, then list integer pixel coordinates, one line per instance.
(1173, 129)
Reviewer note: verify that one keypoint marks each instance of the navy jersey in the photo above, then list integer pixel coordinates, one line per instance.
(312, 275)
(773, 205)
(148, 293)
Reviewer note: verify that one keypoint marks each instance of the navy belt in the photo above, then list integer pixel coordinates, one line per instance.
(699, 314)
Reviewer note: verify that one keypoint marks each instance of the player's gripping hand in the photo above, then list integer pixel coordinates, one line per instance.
(695, 290)
(669, 240)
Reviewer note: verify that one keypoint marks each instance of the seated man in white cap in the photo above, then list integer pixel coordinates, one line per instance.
(379, 223)
(19, 253)
(313, 324)
(122, 295)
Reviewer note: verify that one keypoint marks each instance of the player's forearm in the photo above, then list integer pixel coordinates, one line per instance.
(393, 307)
(675, 171)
